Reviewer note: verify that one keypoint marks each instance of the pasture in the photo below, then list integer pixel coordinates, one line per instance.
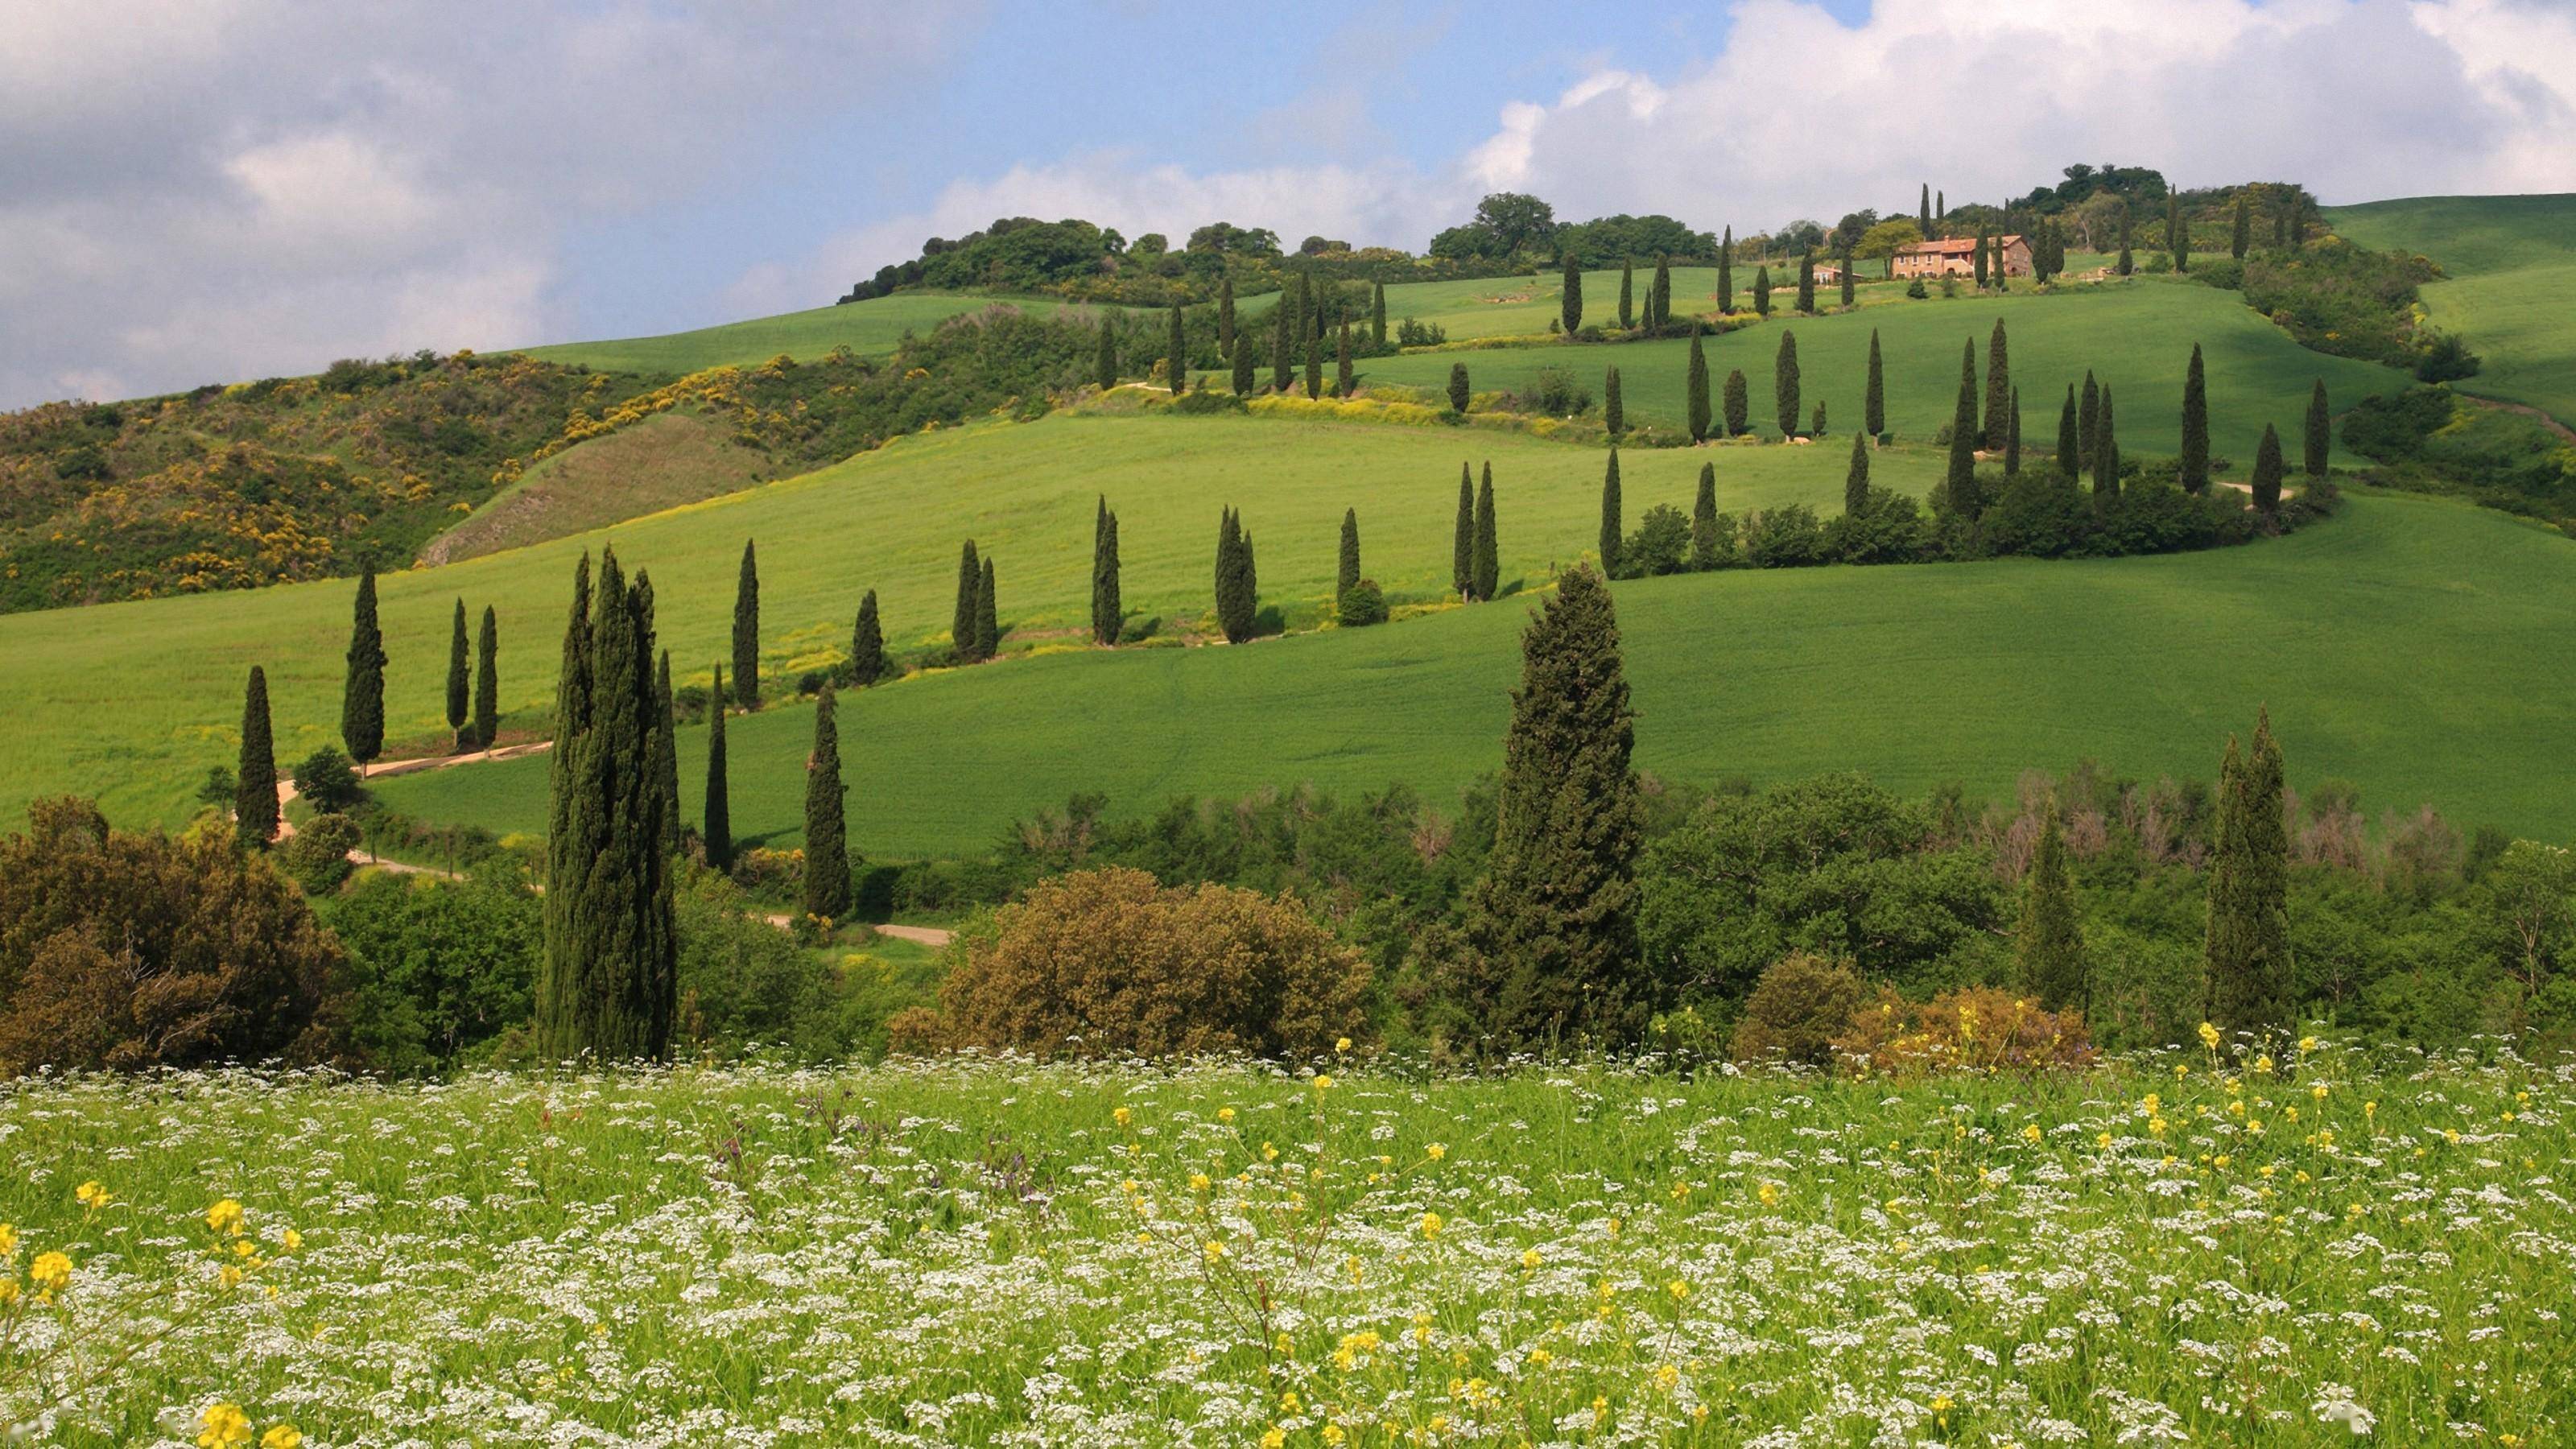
(2511, 288)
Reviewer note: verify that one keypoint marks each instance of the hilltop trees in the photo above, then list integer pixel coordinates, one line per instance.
(1998, 388)
(1237, 589)
(1874, 405)
(1104, 363)
(255, 774)
(1462, 560)
(2248, 981)
(746, 631)
(1488, 561)
(827, 850)
(1784, 384)
(2319, 441)
(1697, 390)
(362, 692)
(2191, 467)
(487, 680)
(716, 821)
(2049, 947)
(1570, 295)
(608, 984)
(1177, 355)
(1108, 611)
(2177, 232)
(2241, 236)
(1739, 405)
(1961, 480)
(1843, 266)
(2127, 263)
(1614, 413)
(460, 692)
(1610, 526)
(867, 644)
(2267, 472)
(961, 620)
(1551, 932)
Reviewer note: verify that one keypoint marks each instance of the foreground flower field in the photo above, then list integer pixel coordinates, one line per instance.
(2183, 1249)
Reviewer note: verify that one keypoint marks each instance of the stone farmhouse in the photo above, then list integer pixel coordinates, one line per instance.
(1957, 256)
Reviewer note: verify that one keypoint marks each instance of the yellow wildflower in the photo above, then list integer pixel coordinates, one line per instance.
(92, 1196)
(2030, 1133)
(1436, 1151)
(1342, 1045)
(1122, 1116)
(1431, 1225)
(1225, 1114)
(281, 1436)
(51, 1273)
(225, 1426)
(1324, 1083)
(2208, 1036)
(224, 1217)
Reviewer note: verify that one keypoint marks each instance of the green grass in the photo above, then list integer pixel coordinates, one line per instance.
(1009, 1253)
(2349, 632)
(2136, 337)
(2512, 285)
(869, 328)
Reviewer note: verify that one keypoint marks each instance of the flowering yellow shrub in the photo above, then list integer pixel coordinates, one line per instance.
(1972, 1028)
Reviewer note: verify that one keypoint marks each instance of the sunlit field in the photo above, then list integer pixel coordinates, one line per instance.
(2190, 1248)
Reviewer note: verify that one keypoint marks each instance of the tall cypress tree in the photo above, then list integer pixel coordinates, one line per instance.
(2012, 437)
(746, 631)
(1610, 525)
(2177, 232)
(362, 693)
(1104, 362)
(1377, 314)
(1704, 520)
(1659, 297)
(1962, 476)
(487, 680)
(1459, 393)
(1343, 382)
(1462, 567)
(255, 777)
(1998, 388)
(1225, 316)
(1314, 367)
(1807, 280)
(1234, 610)
(716, 821)
(666, 754)
(867, 644)
(609, 982)
(2319, 436)
(2070, 448)
(1739, 404)
(1762, 290)
(961, 620)
(2248, 965)
(1726, 273)
(1627, 293)
(2268, 471)
(2191, 467)
(2049, 947)
(827, 844)
(1553, 920)
(1844, 269)
(1784, 384)
(1280, 366)
(2089, 419)
(1874, 406)
(1614, 412)
(1697, 390)
(2241, 237)
(460, 680)
(1348, 575)
(1176, 354)
(1108, 609)
(1923, 223)
(1856, 478)
(572, 716)
(1570, 295)
(988, 624)
(2106, 453)
(2128, 263)
(1242, 376)
(1488, 563)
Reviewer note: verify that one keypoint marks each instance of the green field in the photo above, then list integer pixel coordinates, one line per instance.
(2512, 285)
(2137, 337)
(869, 328)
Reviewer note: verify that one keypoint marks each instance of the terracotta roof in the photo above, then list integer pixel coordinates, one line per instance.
(1953, 246)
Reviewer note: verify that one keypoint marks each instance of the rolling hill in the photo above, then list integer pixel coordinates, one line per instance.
(2511, 289)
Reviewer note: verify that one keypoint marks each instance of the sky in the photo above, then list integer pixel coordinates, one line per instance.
(200, 191)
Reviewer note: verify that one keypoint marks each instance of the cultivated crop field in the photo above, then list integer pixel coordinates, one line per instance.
(2188, 1248)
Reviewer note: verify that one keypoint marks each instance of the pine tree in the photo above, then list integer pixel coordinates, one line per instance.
(255, 776)
(2070, 448)
(2049, 947)
(1856, 479)
(716, 821)
(1627, 293)
(1739, 405)
(988, 624)
(1659, 297)
(1553, 920)
(608, 984)
(867, 644)
(1704, 520)
(2177, 232)
(1962, 477)
(1784, 384)
(1314, 367)
(1614, 413)
(1726, 273)
(961, 621)
(1610, 524)
(1998, 388)
(666, 754)
(2191, 467)
(1459, 396)
(1874, 407)
(1176, 354)
(1488, 562)
(2242, 237)
(1281, 369)
(487, 680)
(2106, 453)
(1462, 567)
(2128, 263)
(2088, 420)
(2248, 965)
(1349, 576)
(1697, 390)
(746, 631)
(2012, 438)
(1104, 363)
(1225, 317)
(1807, 281)
(827, 845)
(1108, 609)
(2268, 471)
(362, 694)
(1377, 314)
(2319, 437)
(1570, 295)
(1242, 360)
(1762, 290)
(1344, 384)
(460, 680)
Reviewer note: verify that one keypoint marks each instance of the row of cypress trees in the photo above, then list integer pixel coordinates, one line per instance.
(485, 687)
(974, 628)
(1475, 568)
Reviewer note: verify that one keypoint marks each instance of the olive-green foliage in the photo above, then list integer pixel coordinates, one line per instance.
(1488, 556)
(439, 971)
(1349, 576)
(2266, 483)
(1802, 1002)
(2048, 947)
(316, 857)
(1459, 396)
(1960, 483)
(2250, 973)
(1462, 566)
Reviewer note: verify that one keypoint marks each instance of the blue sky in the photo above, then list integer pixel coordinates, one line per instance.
(209, 190)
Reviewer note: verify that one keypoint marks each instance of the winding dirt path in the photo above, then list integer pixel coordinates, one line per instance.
(358, 855)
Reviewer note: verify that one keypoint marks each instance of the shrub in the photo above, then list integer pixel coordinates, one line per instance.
(1660, 544)
(1796, 1010)
(770, 875)
(1784, 537)
(327, 781)
(1364, 603)
(316, 857)
(438, 969)
(1971, 1029)
(1915, 290)
(1110, 963)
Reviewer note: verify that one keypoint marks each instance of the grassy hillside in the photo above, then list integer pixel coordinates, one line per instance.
(133, 701)
(869, 329)
(2136, 337)
(2512, 285)
(1972, 672)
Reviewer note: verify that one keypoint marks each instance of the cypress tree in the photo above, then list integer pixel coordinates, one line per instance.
(1343, 383)
(1962, 477)
(2012, 438)
(1627, 293)
(255, 777)
(666, 754)
(1610, 532)
(2070, 448)
(459, 679)
(1807, 280)
(1225, 317)
(1940, 206)
(1554, 917)
(2242, 236)
(1108, 609)
(1998, 388)
(1488, 562)
(1845, 268)
(1659, 297)
(1462, 564)
(487, 680)
(362, 694)
(2191, 468)
(2049, 947)
(1349, 576)
(1314, 367)
(1459, 396)
(867, 644)
(1242, 360)
(1280, 366)
(1856, 479)
(1977, 260)
(827, 846)
(1726, 273)
(1570, 295)
(961, 621)
(1874, 407)
(746, 631)
(1377, 314)
(1784, 384)
(988, 624)
(1739, 405)
(2267, 471)
(2106, 453)
(2177, 232)
(1923, 223)
(609, 981)
(1104, 363)
(716, 822)
(1704, 520)
(1697, 389)
(2089, 419)
(572, 714)
(1614, 413)
(1762, 290)
(1177, 355)
(1233, 615)
(2319, 437)
(2248, 965)
(2128, 264)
